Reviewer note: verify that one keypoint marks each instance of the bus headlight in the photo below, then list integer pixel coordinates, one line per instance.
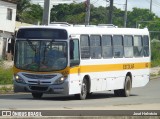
(19, 79)
(60, 80)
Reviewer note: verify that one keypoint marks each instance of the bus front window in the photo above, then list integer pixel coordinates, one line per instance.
(40, 55)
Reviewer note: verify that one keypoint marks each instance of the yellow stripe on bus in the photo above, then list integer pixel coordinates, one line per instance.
(93, 68)
(109, 67)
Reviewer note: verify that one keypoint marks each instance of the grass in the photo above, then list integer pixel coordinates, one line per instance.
(155, 55)
(153, 75)
(6, 74)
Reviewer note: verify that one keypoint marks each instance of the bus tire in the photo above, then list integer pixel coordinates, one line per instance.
(83, 94)
(117, 93)
(90, 94)
(37, 95)
(127, 88)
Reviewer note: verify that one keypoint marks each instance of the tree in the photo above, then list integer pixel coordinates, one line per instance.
(98, 15)
(118, 17)
(22, 6)
(72, 13)
(33, 14)
(138, 15)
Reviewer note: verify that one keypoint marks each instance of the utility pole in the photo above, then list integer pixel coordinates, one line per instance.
(125, 16)
(107, 13)
(151, 6)
(110, 12)
(87, 18)
(46, 12)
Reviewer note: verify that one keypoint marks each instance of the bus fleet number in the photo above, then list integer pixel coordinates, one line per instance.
(128, 66)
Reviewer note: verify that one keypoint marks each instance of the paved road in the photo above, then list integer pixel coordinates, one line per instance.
(144, 98)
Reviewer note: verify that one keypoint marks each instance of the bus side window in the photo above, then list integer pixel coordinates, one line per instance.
(118, 46)
(74, 52)
(146, 46)
(107, 51)
(85, 49)
(128, 46)
(95, 46)
(138, 49)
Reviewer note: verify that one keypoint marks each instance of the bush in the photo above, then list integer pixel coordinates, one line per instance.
(155, 54)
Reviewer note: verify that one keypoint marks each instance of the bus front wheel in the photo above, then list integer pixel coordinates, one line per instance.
(127, 88)
(83, 94)
(37, 95)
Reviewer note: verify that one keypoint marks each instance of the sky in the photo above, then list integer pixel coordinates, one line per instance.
(118, 3)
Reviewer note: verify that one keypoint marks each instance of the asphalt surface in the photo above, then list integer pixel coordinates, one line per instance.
(144, 98)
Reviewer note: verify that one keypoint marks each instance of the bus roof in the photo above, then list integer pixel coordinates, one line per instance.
(94, 30)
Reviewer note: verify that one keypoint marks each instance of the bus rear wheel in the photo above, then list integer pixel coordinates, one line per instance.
(37, 95)
(127, 88)
(83, 94)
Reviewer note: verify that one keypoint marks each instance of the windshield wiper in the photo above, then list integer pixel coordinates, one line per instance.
(31, 45)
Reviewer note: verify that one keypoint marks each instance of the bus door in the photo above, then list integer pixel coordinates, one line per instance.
(74, 75)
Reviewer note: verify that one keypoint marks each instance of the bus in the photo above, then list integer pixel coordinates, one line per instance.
(79, 60)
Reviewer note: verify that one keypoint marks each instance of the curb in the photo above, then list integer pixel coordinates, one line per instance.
(6, 86)
(6, 89)
(155, 77)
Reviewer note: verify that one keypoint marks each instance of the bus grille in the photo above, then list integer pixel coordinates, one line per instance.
(37, 88)
(35, 76)
(37, 82)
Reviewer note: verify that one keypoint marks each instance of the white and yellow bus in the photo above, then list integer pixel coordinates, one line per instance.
(74, 60)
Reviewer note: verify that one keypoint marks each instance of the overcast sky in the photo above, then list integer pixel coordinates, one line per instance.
(118, 4)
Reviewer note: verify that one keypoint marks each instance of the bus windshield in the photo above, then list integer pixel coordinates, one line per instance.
(34, 55)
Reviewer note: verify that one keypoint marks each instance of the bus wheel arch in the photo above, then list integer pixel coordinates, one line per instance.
(85, 88)
(125, 92)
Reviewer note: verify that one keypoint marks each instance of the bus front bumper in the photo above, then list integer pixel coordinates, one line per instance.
(48, 89)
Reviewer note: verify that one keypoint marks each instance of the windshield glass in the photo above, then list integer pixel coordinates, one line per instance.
(40, 55)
